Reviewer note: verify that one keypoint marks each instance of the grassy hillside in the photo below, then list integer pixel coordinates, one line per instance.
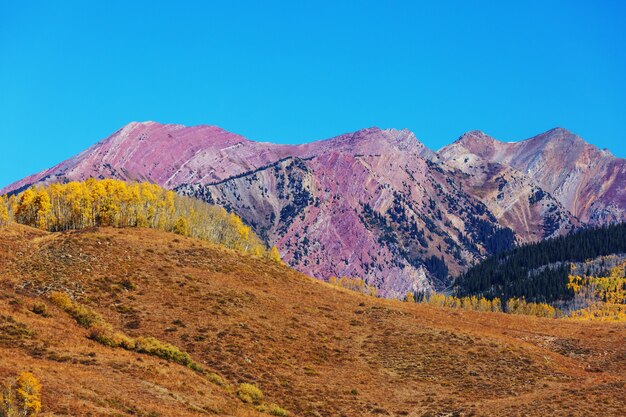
(311, 348)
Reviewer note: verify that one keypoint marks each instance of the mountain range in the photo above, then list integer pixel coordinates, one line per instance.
(374, 203)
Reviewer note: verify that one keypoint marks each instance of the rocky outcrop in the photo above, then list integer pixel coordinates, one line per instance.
(515, 199)
(587, 181)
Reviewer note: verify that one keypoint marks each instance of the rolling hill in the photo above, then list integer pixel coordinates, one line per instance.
(313, 349)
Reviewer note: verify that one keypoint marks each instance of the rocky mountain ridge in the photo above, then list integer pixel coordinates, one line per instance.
(373, 203)
(587, 181)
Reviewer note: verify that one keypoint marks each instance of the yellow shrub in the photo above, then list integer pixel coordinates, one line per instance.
(83, 315)
(104, 334)
(273, 410)
(163, 350)
(61, 300)
(249, 393)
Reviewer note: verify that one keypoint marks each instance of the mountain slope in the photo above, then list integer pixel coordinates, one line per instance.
(589, 182)
(390, 217)
(314, 349)
(517, 201)
(163, 154)
(170, 155)
(376, 205)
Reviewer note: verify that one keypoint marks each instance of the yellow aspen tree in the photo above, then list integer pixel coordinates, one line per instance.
(56, 205)
(372, 291)
(24, 212)
(170, 206)
(274, 255)
(28, 394)
(181, 226)
(7, 397)
(22, 397)
(75, 205)
(12, 206)
(4, 211)
(136, 217)
(148, 200)
(484, 304)
(496, 305)
(42, 207)
(240, 230)
(97, 194)
(359, 284)
(258, 251)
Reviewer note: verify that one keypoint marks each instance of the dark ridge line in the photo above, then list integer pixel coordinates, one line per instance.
(247, 173)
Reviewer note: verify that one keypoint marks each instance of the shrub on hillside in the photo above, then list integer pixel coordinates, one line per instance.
(250, 394)
(163, 350)
(273, 410)
(216, 379)
(61, 300)
(84, 316)
(41, 309)
(104, 334)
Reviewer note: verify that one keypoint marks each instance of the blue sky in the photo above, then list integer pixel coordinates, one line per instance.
(71, 73)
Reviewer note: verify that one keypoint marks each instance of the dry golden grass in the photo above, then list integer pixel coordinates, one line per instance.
(312, 349)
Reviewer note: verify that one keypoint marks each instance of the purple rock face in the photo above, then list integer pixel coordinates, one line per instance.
(168, 155)
(515, 199)
(374, 203)
(588, 182)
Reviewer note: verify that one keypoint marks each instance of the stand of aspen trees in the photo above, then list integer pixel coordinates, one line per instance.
(78, 205)
(600, 297)
(480, 303)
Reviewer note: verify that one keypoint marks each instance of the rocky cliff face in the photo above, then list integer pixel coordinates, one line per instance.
(590, 183)
(515, 199)
(369, 204)
(373, 203)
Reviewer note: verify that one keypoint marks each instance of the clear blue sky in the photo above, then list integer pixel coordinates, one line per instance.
(73, 72)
